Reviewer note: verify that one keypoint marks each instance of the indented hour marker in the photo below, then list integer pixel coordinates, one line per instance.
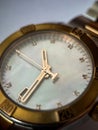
(85, 76)
(8, 85)
(8, 67)
(76, 93)
(52, 40)
(38, 106)
(70, 46)
(82, 59)
(59, 104)
(34, 43)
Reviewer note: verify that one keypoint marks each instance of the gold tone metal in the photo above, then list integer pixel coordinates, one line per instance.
(46, 67)
(9, 40)
(77, 32)
(45, 61)
(66, 114)
(36, 116)
(87, 39)
(28, 59)
(32, 62)
(8, 107)
(91, 29)
(44, 58)
(29, 91)
(63, 114)
(28, 29)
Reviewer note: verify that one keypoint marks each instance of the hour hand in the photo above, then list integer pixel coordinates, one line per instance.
(27, 92)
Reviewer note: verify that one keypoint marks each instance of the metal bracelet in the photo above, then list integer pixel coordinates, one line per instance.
(93, 11)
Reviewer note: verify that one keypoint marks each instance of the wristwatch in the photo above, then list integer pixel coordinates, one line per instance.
(49, 74)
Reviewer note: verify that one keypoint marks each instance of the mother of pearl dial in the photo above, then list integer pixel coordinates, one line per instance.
(67, 57)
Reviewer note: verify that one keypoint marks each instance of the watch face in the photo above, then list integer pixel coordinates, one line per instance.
(46, 70)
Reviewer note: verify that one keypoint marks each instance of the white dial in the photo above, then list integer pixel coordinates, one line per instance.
(46, 70)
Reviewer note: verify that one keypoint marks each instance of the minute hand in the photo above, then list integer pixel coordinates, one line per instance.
(28, 59)
(46, 65)
(44, 58)
(32, 62)
(27, 92)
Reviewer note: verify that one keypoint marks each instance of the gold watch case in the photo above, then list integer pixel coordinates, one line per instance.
(9, 110)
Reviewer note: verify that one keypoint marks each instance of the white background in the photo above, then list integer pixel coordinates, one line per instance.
(17, 13)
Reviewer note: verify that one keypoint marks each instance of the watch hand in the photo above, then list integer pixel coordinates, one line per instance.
(27, 92)
(44, 58)
(53, 75)
(32, 62)
(44, 61)
(28, 59)
(46, 66)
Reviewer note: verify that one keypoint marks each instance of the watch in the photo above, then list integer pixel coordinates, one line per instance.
(49, 74)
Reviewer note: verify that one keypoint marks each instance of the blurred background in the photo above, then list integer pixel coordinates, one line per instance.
(17, 13)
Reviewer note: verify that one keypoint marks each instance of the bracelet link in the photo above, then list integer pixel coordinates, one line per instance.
(93, 28)
(93, 11)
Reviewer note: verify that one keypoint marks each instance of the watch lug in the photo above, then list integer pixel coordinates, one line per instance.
(27, 29)
(94, 112)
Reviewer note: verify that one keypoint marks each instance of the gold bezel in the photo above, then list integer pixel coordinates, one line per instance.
(61, 115)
